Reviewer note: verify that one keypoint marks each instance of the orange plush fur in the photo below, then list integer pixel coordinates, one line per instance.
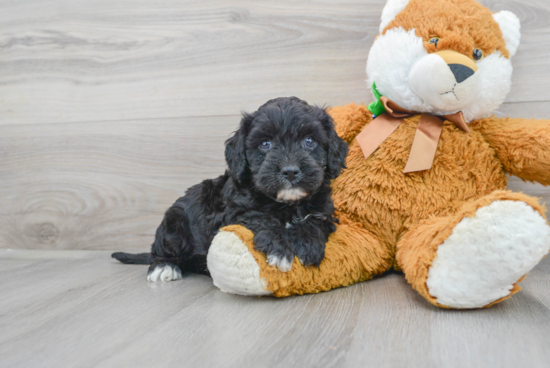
(378, 205)
(391, 219)
(461, 26)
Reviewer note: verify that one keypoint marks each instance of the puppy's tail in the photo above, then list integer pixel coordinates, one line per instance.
(141, 258)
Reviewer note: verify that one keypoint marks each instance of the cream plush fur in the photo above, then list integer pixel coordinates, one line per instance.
(233, 268)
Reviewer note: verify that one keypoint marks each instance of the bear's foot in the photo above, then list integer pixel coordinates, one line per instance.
(486, 255)
(477, 257)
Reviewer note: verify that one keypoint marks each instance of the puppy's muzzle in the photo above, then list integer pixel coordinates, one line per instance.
(290, 173)
(291, 195)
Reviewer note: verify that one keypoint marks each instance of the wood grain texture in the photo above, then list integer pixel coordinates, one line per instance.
(81, 308)
(102, 185)
(78, 60)
(112, 60)
(109, 110)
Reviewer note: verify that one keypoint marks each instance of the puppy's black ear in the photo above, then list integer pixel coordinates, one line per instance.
(235, 151)
(337, 148)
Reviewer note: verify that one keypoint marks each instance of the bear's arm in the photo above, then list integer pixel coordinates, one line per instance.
(349, 120)
(523, 146)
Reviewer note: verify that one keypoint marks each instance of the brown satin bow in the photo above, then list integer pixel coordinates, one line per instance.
(425, 139)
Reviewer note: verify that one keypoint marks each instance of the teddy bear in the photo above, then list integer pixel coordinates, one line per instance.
(424, 191)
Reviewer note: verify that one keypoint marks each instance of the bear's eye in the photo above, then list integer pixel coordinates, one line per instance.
(478, 54)
(309, 143)
(265, 146)
(434, 41)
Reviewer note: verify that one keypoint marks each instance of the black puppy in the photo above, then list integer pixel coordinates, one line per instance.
(281, 161)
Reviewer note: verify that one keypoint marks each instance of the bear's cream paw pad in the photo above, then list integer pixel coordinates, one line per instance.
(487, 254)
(233, 268)
(164, 273)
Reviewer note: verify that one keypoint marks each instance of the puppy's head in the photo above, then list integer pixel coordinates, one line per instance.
(287, 150)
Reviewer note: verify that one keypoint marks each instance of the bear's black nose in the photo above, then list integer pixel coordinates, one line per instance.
(290, 172)
(461, 72)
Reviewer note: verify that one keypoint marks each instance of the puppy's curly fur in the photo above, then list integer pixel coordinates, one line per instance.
(281, 161)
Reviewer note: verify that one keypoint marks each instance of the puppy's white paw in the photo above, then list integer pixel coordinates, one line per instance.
(281, 263)
(164, 274)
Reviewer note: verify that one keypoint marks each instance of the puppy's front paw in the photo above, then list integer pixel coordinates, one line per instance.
(277, 251)
(281, 262)
(311, 259)
(310, 253)
(308, 240)
(164, 273)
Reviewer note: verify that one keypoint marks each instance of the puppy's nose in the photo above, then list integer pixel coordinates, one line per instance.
(290, 172)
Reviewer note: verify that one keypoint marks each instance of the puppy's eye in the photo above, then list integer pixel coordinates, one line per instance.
(434, 41)
(477, 55)
(309, 142)
(265, 146)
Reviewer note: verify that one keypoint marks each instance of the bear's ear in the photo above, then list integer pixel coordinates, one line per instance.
(510, 26)
(392, 8)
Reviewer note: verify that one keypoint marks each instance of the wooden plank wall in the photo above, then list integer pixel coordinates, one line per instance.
(110, 109)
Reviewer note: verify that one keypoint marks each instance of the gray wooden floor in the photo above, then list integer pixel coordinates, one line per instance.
(81, 309)
(110, 109)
